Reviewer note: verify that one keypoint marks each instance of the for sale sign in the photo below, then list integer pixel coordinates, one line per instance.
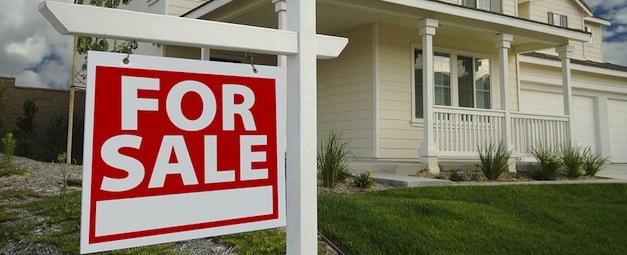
(180, 149)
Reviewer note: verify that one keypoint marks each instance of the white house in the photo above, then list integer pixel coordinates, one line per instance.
(430, 81)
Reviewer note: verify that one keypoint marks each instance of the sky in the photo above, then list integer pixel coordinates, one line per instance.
(33, 52)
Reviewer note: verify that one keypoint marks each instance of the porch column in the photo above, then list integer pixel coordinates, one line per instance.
(280, 7)
(565, 54)
(428, 149)
(205, 54)
(503, 42)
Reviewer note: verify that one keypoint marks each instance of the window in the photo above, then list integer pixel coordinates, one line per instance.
(589, 30)
(488, 5)
(471, 88)
(558, 20)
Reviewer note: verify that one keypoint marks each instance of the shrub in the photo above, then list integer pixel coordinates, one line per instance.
(364, 180)
(494, 160)
(332, 160)
(7, 168)
(549, 162)
(458, 176)
(25, 132)
(593, 163)
(573, 158)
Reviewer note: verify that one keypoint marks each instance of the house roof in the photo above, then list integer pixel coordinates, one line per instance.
(337, 16)
(604, 65)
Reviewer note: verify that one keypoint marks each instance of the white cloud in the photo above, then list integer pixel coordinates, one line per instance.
(615, 53)
(30, 49)
(33, 49)
(605, 4)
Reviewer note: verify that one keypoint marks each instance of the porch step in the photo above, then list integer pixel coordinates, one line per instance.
(408, 181)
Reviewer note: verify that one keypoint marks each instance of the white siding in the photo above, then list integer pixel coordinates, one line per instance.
(598, 105)
(345, 93)
(180, 7)
(540, 10)
(594, 51)
(398, 138)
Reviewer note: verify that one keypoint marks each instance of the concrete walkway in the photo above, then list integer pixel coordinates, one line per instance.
(615, 173)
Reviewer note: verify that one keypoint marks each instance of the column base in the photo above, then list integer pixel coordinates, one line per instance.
(511, 162)
(432, 163)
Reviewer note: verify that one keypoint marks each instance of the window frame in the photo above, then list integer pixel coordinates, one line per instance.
(496, 6)
(589, 29)
(563, 19)
(453, 55)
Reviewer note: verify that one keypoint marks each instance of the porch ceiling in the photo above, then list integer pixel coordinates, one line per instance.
(335, 16)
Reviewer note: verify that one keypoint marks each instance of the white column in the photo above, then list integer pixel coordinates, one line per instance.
(302, 221)
(503, 42)
(565, 54)
(280, 7)
(428, 148)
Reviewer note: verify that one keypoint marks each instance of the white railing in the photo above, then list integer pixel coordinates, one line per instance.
(530, 129)
(461, 131)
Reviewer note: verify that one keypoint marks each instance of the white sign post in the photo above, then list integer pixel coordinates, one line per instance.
(300, 43)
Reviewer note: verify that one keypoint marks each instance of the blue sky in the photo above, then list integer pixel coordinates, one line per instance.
(614, 36)
(38, 56)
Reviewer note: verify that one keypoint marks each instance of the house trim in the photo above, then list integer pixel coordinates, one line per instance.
(576, 66)
(375, 90)
(507, 24)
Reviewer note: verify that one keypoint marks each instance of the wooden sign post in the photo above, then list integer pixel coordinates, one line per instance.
(299, 43)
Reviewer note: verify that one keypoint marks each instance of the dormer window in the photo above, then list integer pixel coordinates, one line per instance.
(558, 20)
(488, 5)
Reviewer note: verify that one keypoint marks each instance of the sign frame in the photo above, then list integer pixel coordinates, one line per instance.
(138, 62)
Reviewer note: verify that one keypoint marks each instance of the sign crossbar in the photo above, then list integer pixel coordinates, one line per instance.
(70, 19)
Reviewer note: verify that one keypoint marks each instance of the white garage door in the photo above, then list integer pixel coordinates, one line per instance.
(583, 112)
(617, 118)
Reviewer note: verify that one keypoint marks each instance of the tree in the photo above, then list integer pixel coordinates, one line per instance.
(3, 88)
(85, 44)
(25, 132)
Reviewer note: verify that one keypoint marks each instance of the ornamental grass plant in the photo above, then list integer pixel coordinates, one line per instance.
(332, 160)
(573, 157)
(494, 160)
(549, 159)
(593, 162)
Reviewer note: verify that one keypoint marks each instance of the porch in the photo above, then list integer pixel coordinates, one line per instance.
(460, 132)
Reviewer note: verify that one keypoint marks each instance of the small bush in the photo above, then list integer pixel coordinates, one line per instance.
(8, 168)
(9, 150)
(549, 162)
(593, 163)
(458, 176)
(494, 160)
(332, 160)
(364, 180)
(573, 158)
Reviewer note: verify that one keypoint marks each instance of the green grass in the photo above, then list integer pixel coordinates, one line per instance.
(61, 212)
(522, 219)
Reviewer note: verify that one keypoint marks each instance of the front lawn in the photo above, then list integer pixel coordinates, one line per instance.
(521, 219)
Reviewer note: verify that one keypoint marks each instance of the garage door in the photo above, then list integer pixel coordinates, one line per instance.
(617, 118)
(583, 112)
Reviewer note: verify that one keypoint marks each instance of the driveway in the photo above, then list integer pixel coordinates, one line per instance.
(614, 171)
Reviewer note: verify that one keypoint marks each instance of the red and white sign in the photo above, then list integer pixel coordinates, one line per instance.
(180, 149)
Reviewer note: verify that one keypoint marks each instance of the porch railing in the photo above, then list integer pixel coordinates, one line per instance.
(529, 129)
(461, 131)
